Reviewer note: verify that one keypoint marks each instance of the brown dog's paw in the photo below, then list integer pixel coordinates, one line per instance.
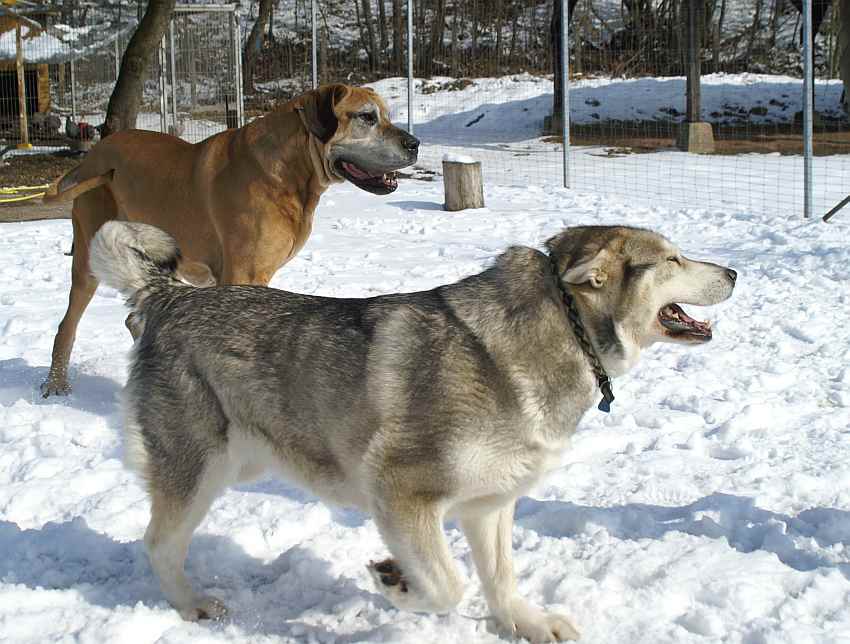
(55, 386)
(205, 607)
(388, 573)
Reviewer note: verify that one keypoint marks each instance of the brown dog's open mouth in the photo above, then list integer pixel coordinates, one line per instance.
(380, 184)
(679, 325)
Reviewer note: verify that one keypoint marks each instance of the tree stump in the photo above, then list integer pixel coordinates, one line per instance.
(463, 184)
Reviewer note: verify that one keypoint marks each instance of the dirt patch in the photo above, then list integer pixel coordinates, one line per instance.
(34, 169)
(627, 138)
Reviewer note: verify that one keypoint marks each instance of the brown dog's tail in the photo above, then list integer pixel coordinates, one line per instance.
(73, 183)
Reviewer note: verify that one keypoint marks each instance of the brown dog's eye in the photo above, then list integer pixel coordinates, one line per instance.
(675, 260)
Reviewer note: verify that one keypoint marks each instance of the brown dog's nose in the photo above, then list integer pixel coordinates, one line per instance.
(410, 142)
(732, 275)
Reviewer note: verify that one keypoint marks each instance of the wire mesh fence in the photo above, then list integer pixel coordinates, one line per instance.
(200, 68)
(628, 100)
(71, 64)
(483, 85)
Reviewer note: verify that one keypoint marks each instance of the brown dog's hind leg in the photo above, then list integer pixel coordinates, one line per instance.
(90, 211)
(83, 286)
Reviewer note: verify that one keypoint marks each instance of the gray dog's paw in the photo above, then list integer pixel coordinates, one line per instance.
(387, 573)
(536, 625)
(204, 607)
(55, 387)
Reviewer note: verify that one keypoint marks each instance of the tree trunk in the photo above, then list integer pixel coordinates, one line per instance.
(254, 45)
(126, 98)
(497, 19)
(398, 37)
(370, 34)
(754, 29)
(382, 28)
(436, 39)
(463, 185)
(453, 39)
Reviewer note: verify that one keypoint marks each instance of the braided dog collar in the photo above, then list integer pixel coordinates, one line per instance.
(602, 379)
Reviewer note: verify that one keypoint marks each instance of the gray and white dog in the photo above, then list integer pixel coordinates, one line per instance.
(415, 407)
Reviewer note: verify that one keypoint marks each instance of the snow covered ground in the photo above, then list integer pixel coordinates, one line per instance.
(711, 505)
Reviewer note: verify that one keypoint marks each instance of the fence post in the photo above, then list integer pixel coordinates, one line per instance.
(565, 88)
(73, 91)
(808, 88)
(694, 135)
(117, 58)
(163, 98)
(237, 61)
(410, 66)
(173, 61)
(313, 44)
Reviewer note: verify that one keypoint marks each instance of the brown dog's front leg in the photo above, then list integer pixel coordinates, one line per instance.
(83, 287)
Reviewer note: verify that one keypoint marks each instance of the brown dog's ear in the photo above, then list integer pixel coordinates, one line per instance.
(317, 110)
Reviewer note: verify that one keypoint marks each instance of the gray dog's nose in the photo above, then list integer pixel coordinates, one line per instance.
(733, 275)
(410, 142)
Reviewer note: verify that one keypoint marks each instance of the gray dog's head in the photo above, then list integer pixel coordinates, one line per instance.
(361, 145)
(630, 284)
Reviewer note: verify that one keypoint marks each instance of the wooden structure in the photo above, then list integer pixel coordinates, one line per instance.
(464, 187)
(24, 88)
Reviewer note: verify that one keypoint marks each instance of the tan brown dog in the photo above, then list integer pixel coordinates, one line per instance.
(239, 203)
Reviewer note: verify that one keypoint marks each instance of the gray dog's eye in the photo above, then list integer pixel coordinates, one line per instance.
(675, 260)
(370, 118)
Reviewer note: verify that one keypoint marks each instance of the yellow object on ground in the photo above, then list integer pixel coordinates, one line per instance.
(15, 193)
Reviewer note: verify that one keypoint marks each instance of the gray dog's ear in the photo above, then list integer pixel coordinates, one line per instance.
(317, 110)
(590, 269)
(580, 257)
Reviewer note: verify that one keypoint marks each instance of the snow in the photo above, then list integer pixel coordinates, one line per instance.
(36, 49)
(60, 43)
(711, 505)
(453, 157)
(499, 121)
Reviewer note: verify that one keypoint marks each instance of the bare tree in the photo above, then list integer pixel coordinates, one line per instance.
(382, 27)
(126, 98)
(438, 25)
(398, 36)
(367, 34)
(254, 45)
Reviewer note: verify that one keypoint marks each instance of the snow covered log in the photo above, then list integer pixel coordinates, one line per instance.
(464, 187)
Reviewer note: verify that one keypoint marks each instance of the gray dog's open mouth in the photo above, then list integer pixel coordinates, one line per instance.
(379, 184)
(678, 324)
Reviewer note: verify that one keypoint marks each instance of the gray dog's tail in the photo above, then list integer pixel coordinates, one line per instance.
(134, 258)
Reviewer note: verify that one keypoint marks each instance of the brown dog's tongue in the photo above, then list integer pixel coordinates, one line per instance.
(354, 171)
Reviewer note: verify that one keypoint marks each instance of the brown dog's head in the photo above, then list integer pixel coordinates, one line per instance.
(630, 284)
(360, 143)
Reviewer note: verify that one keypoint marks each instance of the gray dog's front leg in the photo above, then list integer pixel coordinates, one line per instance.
(490, 537)
(422, 577)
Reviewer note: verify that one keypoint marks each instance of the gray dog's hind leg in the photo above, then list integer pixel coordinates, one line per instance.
(490, 538)
(422, 577)
(173, 520)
